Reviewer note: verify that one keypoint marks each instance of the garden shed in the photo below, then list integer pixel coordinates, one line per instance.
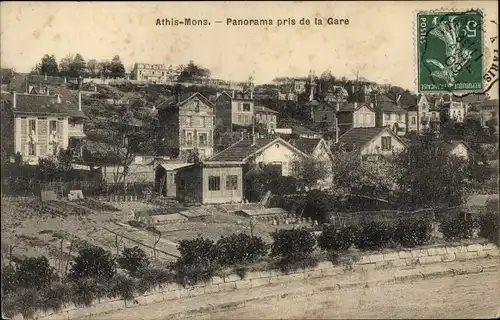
(165, 173)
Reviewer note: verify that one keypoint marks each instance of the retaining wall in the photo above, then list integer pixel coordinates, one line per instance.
(172, 291)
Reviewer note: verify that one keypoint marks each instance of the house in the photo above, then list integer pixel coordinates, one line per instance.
(165, 177)
(336, 94)
(323, 112)
(43, 124)
(318, 149)
(458, 148)
(372, 143)
(428, 114)
(211, 182)
(389, 114)
(488, 113)
(234, 110)
(354, 115)
(187, 122)
(277, 153)
(156, 73)
(267, 117)
(455, 108)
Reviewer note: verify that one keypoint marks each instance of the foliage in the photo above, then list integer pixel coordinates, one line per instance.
(49, 66)
(373, 235)
(116, 68)
(93, 262)
(489, 223)
(260, 179)
(123, 287)
(150, 277)
(239, 249)
(197, 261)
(133, 259)
(412, 231)
(457, 226)
(333, 239)
(293, 248)
(193, 156)
(192, 72)
(55, 296)
(310, 171)
(34, 273)
(9, 279)
(431, 177)
(317, 205)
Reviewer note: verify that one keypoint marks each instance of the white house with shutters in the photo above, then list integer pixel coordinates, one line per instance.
(42, 125)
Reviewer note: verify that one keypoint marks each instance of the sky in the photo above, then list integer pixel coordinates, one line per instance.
(379, 41)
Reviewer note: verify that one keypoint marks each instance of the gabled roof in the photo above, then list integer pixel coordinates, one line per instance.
(305, 145)
(244, 149)
(264, 109)
(43, 104)
(303, 130)
(177, 101)
(351, 107)
(385, 104)
(359, 137)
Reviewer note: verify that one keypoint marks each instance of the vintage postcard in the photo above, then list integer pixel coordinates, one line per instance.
(249, 160)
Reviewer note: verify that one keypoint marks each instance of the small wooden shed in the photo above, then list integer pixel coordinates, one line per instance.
(165, 177)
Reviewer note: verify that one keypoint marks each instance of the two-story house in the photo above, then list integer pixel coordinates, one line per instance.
(323, 112)
(354, 115)
(157, 73)
(454, 108)
(43, 124)
(234, 111)
(390, 115)
(267, 117)
(187, 121)
(428, 115)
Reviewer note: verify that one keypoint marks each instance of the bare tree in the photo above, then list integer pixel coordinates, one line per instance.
(156, 242)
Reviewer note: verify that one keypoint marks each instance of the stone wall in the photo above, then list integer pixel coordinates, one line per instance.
(172, 291)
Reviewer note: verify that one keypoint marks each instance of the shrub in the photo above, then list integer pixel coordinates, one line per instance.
(133, 259)
(489, 227)
(198, 261)
(9, 280)
(411, 231)
(150, 277)
(23, 301)
(56, 296)
(123, 287)
(332, 238)
(458, 226)
(84, 292)
(294, 248)
(239, 249)
(93, 262)
(373, 235)
(34, 273)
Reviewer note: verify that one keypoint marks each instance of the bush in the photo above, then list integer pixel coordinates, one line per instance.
(24, 301)
(123, 287)
(133, 259)
(332, 239)
(317, 205)
(84, 292)
(294, 248)
(411, 231)
(9, 280)
(239, 249)
(458, 226)
(373, 236)
(34, 273)
(56, 296)
(489, 227)
(198, 261)
(150, 277)
(93, 262)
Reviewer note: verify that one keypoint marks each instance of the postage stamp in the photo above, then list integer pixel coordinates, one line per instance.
(450, 51)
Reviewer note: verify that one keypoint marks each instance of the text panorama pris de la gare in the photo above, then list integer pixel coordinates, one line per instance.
(174, 22)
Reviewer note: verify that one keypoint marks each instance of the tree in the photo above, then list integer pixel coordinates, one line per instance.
(310, 171)
(49, 66)
(133, 259)
(65, 65)
(116, 68)
(93, 262)
(429, 176)
(104, 69)
(92, 68)
(77, 67)
(34, 273)
(192, 72)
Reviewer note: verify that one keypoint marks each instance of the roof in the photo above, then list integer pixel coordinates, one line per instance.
(359, 137)
(243, 149)
(471, 98)
(43, 104)
(303, 130)
(305, 145)
(264, 109)
(386, 104)
(351, 107)
(178, 100)
(449, 146)
(173, 166)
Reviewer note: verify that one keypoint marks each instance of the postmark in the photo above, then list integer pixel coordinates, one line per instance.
(450, 52)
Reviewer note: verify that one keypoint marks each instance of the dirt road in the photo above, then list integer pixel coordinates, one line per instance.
(460, 296)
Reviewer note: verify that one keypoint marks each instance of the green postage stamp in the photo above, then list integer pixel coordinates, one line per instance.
(450, 51)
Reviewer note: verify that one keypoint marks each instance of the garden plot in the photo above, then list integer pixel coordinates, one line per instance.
(95, 205)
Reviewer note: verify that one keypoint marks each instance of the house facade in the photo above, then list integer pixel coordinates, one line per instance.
(211, 182)
(44, 124)
(234, 110)
(187, 121)
(267, 117)
(390, 115)
(428, 115)
(323, 112)
(372, 142)
(151, 72)
(354, 115)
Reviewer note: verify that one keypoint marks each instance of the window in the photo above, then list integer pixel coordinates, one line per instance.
(203, 139)
(246, 107)
(239, 106)
(32, 126)
(413, 120)
(213, 183)
(52, 126)
(386, 143)
(400, 117)
(240, 119)
(189, 139)
(232, 182)
(387, 116)
(31, 149)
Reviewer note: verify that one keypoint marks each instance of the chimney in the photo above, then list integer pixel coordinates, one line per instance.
(45, 77)
(233, 93)
(14, 99)
(371, 105)
(355, 105)
(79, 101)
(48, 92)
(337, 107)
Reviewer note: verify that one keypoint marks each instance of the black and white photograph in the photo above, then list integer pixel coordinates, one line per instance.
(249, 160)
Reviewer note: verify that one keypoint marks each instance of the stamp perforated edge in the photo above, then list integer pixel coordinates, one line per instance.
(415, 48)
